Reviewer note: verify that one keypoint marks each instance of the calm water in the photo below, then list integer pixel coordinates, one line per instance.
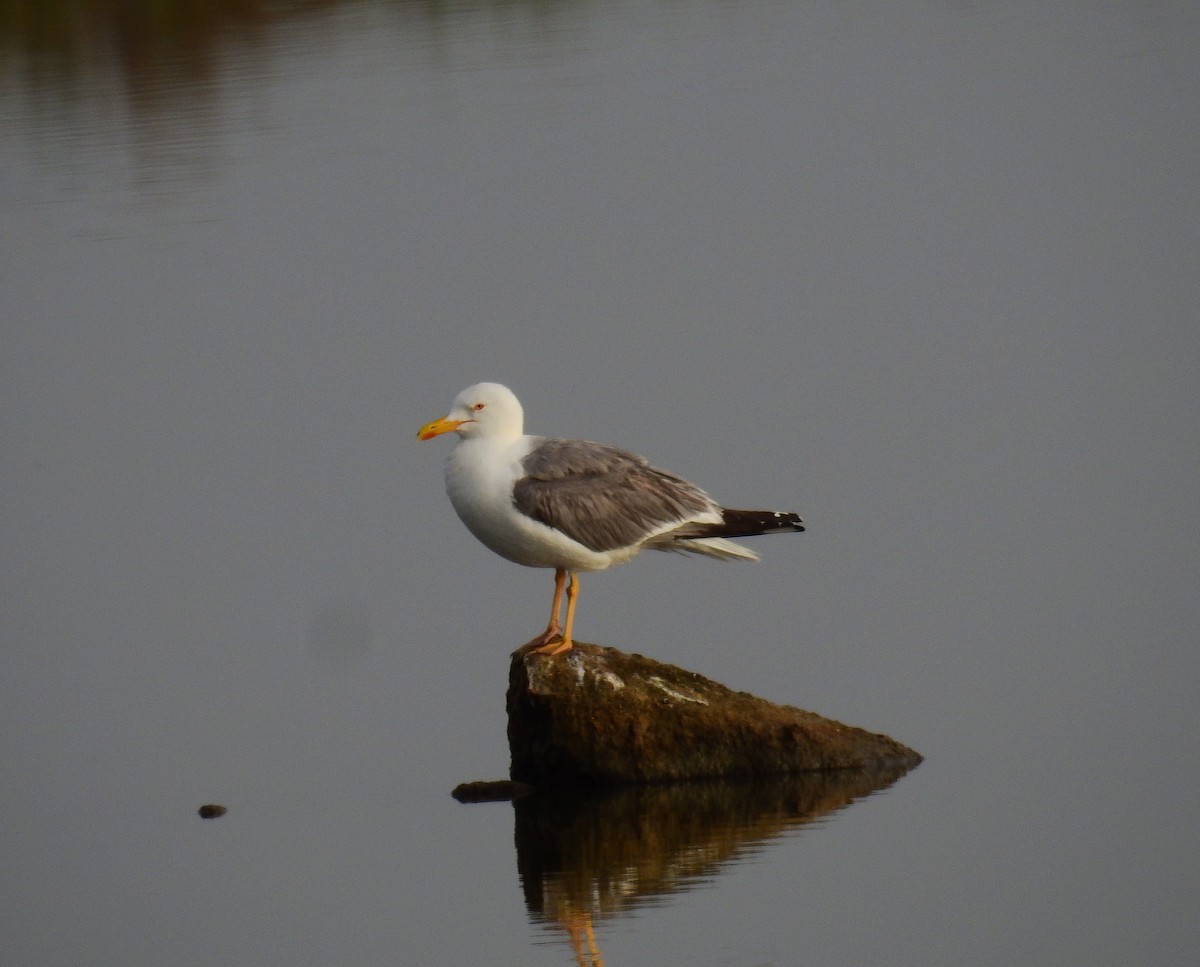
(925, 272)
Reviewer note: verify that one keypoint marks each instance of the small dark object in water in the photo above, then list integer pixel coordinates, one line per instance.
(500, 790)
(212, 810)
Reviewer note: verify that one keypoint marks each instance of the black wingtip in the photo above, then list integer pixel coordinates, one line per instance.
(751, 523)
(784, 522)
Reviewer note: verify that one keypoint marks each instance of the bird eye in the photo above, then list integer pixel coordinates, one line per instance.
(478, 406)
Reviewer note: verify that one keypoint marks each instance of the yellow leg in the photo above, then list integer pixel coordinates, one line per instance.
(553, 629)
(560, 579)
(566, 644)
(579, 929)
(593, 948)
(553, 646)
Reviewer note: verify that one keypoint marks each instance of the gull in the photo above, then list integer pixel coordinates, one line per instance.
(574, 505)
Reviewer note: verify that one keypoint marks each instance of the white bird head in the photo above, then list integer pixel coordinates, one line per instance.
(483, 410)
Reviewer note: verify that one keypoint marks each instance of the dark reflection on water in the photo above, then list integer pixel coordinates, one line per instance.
(153, 52)
(146, 52)
(161, 79)
(584, 858)
(85, 77)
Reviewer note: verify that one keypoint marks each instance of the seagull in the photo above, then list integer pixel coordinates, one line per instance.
(573, 505)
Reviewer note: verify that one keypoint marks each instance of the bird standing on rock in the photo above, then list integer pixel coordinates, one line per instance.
(572, 505)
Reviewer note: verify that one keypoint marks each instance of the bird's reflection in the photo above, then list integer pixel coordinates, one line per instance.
(584, 858)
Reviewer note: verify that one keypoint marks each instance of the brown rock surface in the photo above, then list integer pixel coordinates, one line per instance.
(598, 716)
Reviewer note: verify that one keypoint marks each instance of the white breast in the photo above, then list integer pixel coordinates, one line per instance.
(479, 479)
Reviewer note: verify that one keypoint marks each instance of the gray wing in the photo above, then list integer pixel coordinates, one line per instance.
(601, 496)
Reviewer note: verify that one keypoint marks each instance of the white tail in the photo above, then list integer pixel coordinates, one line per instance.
(718, 547)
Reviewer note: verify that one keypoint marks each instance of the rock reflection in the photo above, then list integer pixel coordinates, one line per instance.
(584, 858)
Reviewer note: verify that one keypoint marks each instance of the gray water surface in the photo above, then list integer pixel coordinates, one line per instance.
(926, 273)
